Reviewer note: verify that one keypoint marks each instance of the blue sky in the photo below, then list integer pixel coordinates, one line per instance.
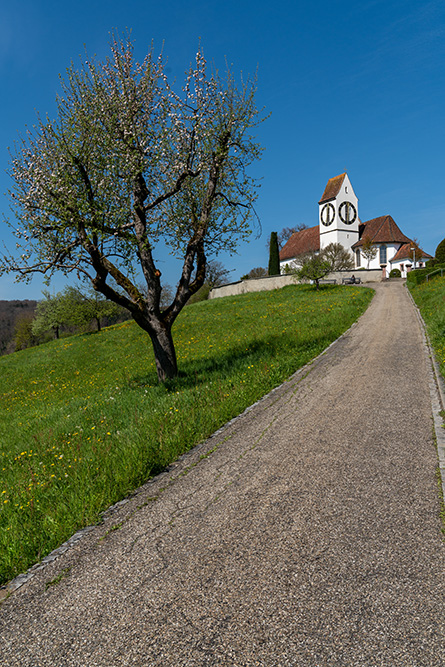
(350, 86)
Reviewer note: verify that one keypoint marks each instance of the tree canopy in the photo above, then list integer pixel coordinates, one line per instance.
(338, 257)
(131, 160)
(440, 252)
(274, 255)
(369, 250)
(313, 267)
(256, 272)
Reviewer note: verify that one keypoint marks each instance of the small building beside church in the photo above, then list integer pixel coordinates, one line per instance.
(339, 222)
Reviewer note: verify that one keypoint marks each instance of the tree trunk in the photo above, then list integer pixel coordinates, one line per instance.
(164, 351)
(98, 323)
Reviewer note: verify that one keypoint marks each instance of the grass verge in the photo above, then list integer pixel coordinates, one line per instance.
(84, 420)
(430, 299)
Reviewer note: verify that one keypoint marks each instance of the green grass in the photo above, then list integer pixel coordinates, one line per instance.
(84, 421)
(430, 298)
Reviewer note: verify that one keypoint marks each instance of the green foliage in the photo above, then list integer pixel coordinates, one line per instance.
(24, 336)
(440, 252)
(285, 234)
(274, 256)
(50, 315)
(82, 306)
(129, 162)
(201, 295)
(430, 298)
(314, 267)
(84, 420)
(73, 306)
(417, 276)
(395, 273)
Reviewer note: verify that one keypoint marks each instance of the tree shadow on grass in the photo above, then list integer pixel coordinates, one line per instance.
(226, 365)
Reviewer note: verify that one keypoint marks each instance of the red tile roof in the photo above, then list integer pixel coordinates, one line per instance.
(332, 188)
(381, 230)
(308, 240)
(403, 253)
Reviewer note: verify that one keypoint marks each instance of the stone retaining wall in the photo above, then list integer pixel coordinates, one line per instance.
(276, 282)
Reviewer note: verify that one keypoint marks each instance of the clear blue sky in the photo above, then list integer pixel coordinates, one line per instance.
(351, 86)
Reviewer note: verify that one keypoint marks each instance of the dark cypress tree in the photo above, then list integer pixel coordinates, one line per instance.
(440, 252)
(274, 256)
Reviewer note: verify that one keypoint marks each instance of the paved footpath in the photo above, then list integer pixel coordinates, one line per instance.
(308, 536)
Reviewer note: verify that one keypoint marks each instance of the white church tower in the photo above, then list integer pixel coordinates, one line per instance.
(338, 213)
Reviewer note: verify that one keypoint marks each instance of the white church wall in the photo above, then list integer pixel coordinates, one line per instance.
(391, 250)
(347, 235)
(289, 263)
(402, 266)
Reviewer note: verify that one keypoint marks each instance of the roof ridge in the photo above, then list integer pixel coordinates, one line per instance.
(332, 188)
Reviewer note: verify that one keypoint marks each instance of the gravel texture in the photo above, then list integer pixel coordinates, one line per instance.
(304, 533)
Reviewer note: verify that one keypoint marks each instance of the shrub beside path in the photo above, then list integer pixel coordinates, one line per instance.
(305, 533)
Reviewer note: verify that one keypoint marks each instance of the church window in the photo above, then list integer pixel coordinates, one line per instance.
(357, 258)
(383, 254)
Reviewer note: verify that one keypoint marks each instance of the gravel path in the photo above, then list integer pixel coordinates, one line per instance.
(305, 533)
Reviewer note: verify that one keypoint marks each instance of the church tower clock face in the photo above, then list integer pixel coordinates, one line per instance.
(327, 214)
(347, 213)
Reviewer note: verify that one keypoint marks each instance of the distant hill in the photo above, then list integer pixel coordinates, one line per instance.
(10, 312)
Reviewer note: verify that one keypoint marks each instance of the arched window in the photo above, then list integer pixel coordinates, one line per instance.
(357, 258)
(383, 254)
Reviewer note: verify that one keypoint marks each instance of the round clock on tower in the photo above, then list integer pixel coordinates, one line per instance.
(338, 213)
(327, 214)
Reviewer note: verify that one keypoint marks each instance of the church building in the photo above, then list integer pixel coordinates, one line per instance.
(339, 222)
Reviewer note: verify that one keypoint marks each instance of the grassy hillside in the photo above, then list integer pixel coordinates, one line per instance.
(430, 297)
(83, 420)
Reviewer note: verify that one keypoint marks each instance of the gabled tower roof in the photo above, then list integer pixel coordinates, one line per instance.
(332, 188)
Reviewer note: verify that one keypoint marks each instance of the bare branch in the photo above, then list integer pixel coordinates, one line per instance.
(129, 162)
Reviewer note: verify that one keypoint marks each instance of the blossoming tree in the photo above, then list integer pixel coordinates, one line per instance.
(129, 162)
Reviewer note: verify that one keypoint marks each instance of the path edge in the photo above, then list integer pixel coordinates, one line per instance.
(14, 584)
(437, 394)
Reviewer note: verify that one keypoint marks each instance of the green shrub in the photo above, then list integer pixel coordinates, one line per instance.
(201, 295)
(440, 252)
(417, 276)
(395, 273)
